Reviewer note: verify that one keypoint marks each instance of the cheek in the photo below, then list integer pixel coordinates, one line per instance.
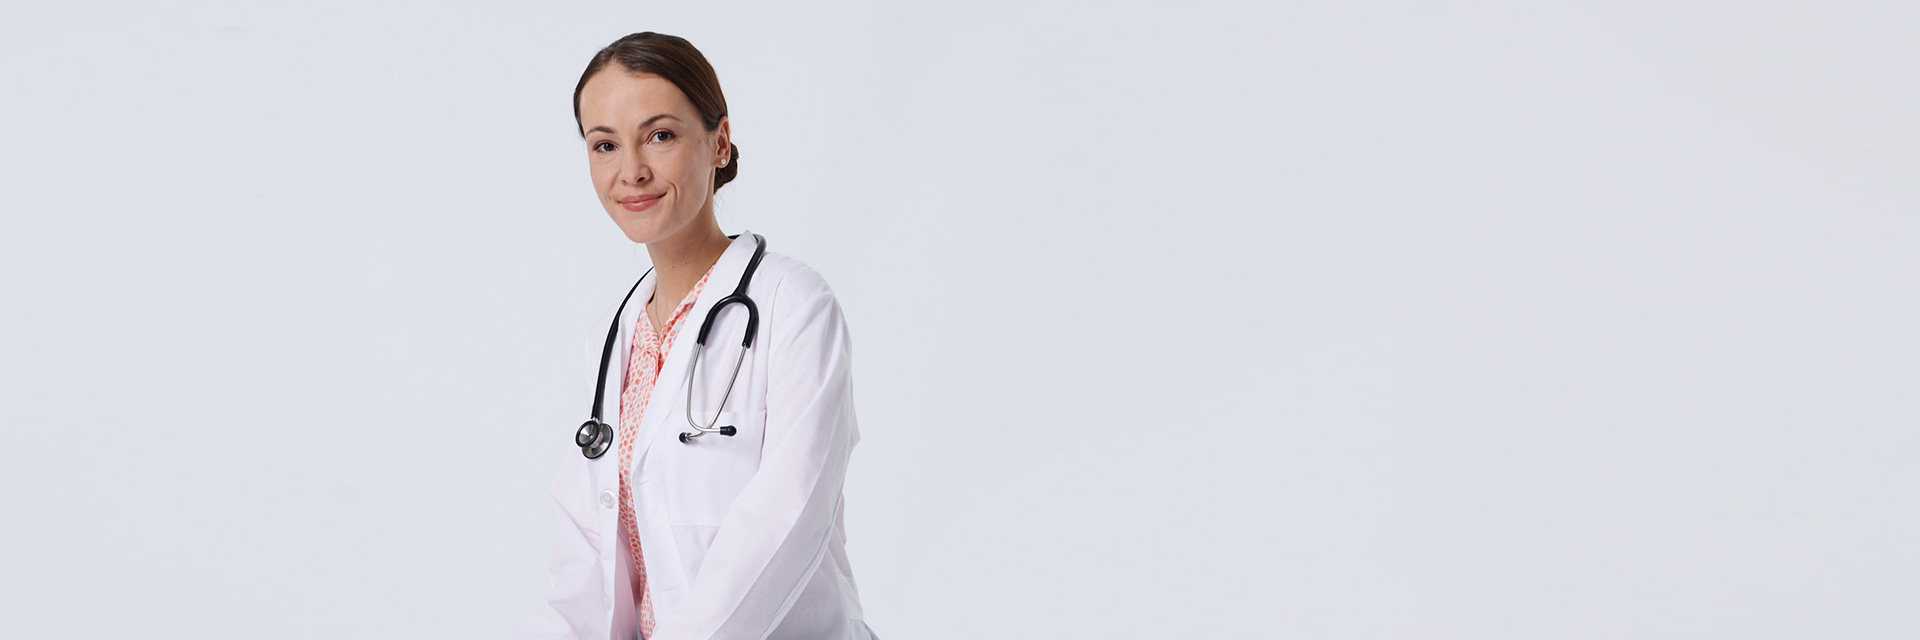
(685, 165)
(602, 175)
(693, 173)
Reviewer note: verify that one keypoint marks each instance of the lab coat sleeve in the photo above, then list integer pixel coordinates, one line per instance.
(573, 607)
(774, 536)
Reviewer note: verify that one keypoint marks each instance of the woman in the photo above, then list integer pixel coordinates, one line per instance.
(723, 532)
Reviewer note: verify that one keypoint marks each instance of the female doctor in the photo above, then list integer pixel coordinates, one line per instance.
(722, 521)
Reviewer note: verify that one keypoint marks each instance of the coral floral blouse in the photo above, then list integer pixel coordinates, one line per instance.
(643, 367)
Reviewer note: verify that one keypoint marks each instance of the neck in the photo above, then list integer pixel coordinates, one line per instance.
(681, 259)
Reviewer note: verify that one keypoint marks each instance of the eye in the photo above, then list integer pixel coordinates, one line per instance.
(653, 137)
(603, 146)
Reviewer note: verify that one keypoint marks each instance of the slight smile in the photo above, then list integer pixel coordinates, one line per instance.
(640, 202)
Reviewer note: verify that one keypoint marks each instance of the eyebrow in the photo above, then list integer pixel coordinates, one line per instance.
(643, 125)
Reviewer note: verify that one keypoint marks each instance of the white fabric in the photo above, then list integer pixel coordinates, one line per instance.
(743, 535)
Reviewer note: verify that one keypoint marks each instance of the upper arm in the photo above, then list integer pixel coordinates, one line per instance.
(810, 353)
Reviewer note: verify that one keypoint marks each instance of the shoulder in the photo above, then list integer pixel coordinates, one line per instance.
(792, 282)
(802, 316)
(602, 323)
(797, 299)
(616, 305)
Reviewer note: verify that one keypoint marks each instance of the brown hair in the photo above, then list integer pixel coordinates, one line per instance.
(675, 59)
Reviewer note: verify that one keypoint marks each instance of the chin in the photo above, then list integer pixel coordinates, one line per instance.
(641, 230)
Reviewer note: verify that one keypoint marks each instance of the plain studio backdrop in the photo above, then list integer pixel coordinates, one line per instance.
(1201, 320)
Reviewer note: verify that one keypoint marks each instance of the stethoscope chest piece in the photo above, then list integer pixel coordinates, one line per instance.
(594, 437)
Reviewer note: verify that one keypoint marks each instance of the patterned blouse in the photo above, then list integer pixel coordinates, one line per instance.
(643, 367)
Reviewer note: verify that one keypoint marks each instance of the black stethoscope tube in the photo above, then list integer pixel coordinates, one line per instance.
(739, 296)
(595, 436)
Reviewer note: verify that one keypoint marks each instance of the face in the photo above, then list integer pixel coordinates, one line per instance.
(652, 162)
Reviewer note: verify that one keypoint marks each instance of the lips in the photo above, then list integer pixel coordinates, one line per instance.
(640, 202)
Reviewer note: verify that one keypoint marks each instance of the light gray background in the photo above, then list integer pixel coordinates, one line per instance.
(1198, 320)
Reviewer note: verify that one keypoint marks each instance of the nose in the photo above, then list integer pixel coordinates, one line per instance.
(634, 169)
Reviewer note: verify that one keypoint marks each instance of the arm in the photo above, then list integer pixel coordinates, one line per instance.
(573, 607)
(773, 538)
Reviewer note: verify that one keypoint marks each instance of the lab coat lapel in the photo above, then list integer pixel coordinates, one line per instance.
(673, 373)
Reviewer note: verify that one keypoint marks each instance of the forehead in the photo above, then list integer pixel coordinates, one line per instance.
(615, 96)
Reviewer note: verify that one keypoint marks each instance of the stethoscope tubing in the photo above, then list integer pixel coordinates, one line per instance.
(595, 436)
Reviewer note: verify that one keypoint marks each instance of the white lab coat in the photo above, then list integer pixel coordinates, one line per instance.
(743, 536)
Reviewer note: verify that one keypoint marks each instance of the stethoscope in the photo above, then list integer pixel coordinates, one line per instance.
(595, 436)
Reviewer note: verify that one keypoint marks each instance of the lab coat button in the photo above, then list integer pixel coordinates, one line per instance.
(607, 598)
(606, 500)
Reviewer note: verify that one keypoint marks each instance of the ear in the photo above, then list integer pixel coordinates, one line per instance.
(723, 143)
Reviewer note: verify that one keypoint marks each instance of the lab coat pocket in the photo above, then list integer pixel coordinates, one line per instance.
(692, 542)
(710, 471)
